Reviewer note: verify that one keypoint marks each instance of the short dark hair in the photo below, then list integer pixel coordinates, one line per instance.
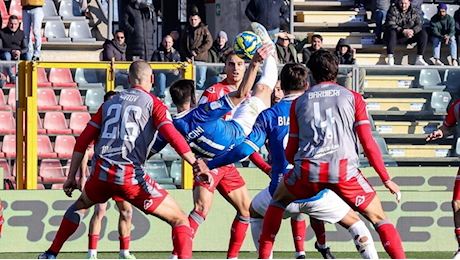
(228, 53)
(119, 31)
(13, 17)
(181, 91)
(194, 13)
(317, 36)
(324, 66)
(294, 76)
(109, 94)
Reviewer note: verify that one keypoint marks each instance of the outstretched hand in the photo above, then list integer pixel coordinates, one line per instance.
(438, 133)
(263, 52)
(394, 189)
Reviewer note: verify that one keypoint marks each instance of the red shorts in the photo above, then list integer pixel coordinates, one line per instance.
(146, 196)
(357, 192)
(226, 179)
(457, 186)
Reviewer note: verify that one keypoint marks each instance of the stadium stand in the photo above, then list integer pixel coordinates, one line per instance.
(42, 79)
(44, 147)
(70, 99)
(63, 146)
(55, 32)
(61, 78)
(49, 11)
(46, 99)
(55, 123)
(51, 171)
(87, 78)
(158, 171)
(79, 32)
(7, 123)
(78, 121)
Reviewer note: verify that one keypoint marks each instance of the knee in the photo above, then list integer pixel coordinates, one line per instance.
(126, 214)
(99, 212)
(423, 35)
(202, 207)
(456, 205)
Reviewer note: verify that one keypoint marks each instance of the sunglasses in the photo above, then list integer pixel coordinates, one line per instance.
(284, 39)
(120, 37)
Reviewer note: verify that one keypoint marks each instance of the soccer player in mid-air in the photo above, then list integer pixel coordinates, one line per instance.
(125, 127)
(449, 123)
(325, 122)
(273, 124)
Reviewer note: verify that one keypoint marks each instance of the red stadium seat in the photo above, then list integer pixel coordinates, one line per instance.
(9, 146)
(40, 186)
(16, 8)
(78, 121)
(61, 78)
(55, 123)
(7, 123)
(42, 79)
(46, 99)
(57, 186)
(51, 171)
(67, 169)
(64, 145)
(40, 129)
(44, 148)
(5, 165)
(8, 84)
(3, 11)
(3, 105)
(12, 98)
(70, 99)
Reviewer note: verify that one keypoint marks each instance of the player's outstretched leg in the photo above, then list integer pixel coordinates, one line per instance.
(299, 231)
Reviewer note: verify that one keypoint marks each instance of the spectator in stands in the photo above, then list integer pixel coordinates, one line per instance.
(139, 23)
(165, 53)
(116, 49)
(217, 55)
(270, 14)
(346, 55)
(404, 25)
(316, 45)
(285, 50)
(13, 44)
(379, 14)
(83, 4)
(175, 35)
(443, 26)
(32, 16)
(195, 42)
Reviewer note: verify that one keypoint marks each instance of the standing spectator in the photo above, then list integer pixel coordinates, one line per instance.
(379, 14)
(139, 22)
(285, 50)
(404, 25)
(195, 42)
(443, 26)
(165, 53)
(217, 55)
(271, 14)
(346, 55)
(116, 49)
(175, 35)
(316, 45)
(32, 15)
(13, 44)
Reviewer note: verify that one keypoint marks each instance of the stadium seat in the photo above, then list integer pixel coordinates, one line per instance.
(9, 146)
(44, 148)
(169, 154)
(11, 101)
(42, 79)
(70, 99)
(63, 146)
(69, 11)
(87, 78)
(169, 186)
(451, 9)
(3, 104)
(55, 123)
(430, 79)
(51, 171)
(440, 101)
(46, 100)
(7, 174)
(451, 80)
(61, 78)
(40, 129)
(78, 121)
(428, 11)
(176, 172)
(49, 11)
(3, 11)
(158, 171)
(67, 170)
(8, 84)
(94, 99)
(55, 32)
(387, 158)
(57, 186)
(40, 186)
(79, 32)
(7, 123)
(16, 8)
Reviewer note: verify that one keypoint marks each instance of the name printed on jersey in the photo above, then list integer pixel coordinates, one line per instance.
(324, 93)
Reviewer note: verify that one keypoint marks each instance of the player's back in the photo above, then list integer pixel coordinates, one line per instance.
(325, 116)
(127, 131)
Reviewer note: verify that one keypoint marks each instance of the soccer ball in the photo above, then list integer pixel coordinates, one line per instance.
(246, 44)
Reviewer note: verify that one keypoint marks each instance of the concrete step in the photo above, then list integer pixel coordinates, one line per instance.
(330, 16)
(371, 59)
(419, 150)
(396, 104)
(323, 5)
(70, 55)
(388, 81)
(405, 127)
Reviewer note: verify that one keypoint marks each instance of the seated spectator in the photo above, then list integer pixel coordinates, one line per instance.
(404, 25)
(165, 53)
(379, 14)
(13, 44)
(285, 50)
(217, 55)
(316, 44)
(346, 55)
(116, 49)
(443, 26)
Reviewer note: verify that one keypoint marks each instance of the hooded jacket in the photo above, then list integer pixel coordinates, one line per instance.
(346, 58)
(139, 23)
(398, 20)
(113, 50)
(200, 43)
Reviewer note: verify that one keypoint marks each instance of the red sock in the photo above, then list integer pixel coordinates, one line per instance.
(457, 234)
(272, 223)
(391, 240)
(1, 218)
(299, 230)
(66, 229)
(182, 241)
(237, 234)
(124, 242)
(195, 219)
(92, 241)
(320, 232)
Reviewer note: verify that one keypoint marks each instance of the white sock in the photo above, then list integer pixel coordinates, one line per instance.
(365, 248)
(297, 254)
(92, 252)
(269, 73)
(256, 230)
(124, 252)
(321, 246)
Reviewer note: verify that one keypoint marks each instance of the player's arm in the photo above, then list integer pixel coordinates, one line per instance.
(158, 145)
(447, 125)
(293, 141)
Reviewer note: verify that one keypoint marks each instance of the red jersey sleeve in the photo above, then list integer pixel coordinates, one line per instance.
(451, 119)
(259, 162)
(209, 95)
(160, 114)
(91, 132)
(293, 142)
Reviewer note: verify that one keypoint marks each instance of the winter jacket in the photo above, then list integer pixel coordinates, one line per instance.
(457, 21)
(163, 56)
(113, 50)
(397, 20)
(306, 54)
(139, 23)
(443, 26)
(216, 55)
(346, 58)
(282, 54)
(200, 43)
(13, 41)
(269, 13)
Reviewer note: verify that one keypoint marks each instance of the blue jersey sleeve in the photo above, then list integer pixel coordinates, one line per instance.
(214, 110)
(159, 144)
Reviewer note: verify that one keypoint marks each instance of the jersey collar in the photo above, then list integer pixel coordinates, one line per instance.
(140, 88)
(291, 97)
(182, 114)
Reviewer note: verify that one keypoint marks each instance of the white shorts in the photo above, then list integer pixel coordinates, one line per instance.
(330, 208)
(247, 113)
